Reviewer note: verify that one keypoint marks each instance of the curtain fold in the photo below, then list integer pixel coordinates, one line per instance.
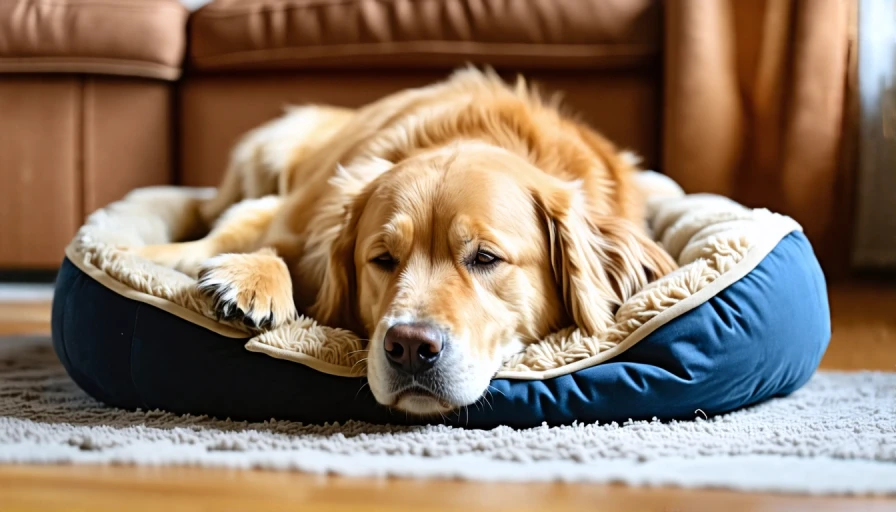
(757, 106)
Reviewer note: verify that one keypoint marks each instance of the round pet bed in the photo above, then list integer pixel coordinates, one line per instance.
(744, 319)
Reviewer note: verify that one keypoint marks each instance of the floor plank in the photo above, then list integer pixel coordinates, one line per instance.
(863, 328)
(24, 318)
(863, 320)
(175, 489)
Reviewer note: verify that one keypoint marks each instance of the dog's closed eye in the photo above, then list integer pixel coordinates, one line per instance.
(483, 260)
(386, 262)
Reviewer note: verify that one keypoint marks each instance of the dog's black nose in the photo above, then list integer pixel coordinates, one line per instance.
(413, 347)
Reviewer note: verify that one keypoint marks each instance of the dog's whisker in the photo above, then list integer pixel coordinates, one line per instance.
(484, 398)
(360, 361)
(364, 385)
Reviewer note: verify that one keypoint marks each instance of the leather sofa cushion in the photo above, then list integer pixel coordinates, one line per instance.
(534, 34)
(143, 38)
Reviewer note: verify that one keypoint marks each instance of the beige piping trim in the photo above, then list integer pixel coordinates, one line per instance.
(163, 304)
(303, 359)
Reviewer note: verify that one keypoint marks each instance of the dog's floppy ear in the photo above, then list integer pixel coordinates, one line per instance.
(336, 304)
(598, 261)
(334, 250)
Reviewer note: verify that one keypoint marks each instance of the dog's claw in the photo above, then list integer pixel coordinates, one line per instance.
(244, 302)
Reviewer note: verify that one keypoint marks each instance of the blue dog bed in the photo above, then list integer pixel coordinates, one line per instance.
(755, 329)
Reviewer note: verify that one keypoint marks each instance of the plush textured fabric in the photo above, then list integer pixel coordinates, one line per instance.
(743, 320)
(837, 435)
(708, 235)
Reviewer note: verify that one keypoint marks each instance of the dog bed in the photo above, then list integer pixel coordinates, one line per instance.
(745, 318)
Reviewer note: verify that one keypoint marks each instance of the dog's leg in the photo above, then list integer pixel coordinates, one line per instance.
(255, 288)
(245, 280)
(229, 192)
(239, 230)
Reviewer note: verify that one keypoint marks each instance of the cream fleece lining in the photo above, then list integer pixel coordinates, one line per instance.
(715, 240)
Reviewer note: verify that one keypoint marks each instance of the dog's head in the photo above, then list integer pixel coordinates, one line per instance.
(453, 260)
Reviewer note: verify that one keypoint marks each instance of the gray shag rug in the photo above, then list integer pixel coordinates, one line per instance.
(837, 435)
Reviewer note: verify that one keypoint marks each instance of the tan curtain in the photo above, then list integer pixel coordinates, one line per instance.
(758, 107)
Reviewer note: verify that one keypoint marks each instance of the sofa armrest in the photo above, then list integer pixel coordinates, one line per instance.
(140, 38)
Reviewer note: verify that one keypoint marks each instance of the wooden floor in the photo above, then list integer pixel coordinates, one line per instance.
(864, 337)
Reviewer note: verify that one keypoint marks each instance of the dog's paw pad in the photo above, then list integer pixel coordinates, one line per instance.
(252, 289)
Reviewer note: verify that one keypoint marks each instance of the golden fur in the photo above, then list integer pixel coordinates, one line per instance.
(391, 213)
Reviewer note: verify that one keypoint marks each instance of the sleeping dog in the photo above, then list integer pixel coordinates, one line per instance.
(448, 225)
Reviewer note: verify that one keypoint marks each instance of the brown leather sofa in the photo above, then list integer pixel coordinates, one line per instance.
(748, 99)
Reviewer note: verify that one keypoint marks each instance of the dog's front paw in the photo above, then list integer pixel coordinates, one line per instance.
(254, 289)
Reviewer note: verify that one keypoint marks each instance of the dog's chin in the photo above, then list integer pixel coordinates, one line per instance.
(420, 402)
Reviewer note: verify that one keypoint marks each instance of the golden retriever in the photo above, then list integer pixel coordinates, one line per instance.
(450, 225)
